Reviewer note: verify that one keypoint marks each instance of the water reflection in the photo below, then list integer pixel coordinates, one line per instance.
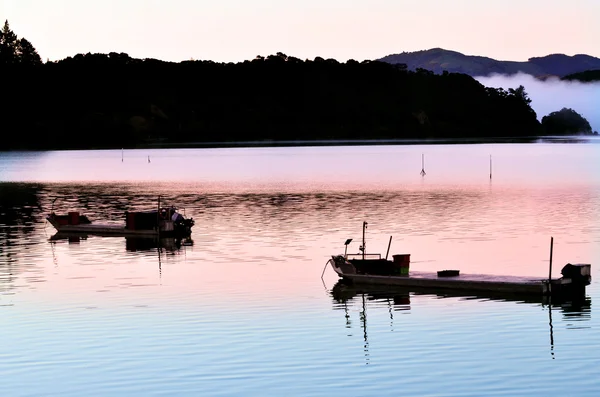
(19, 214)
(247, 296)
(132, 244)
(398, 299)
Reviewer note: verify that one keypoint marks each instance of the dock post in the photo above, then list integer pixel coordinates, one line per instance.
(550, 266)
(364, 243)
(388, 251)
(158, 218)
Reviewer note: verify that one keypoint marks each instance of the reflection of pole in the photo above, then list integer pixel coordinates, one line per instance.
(550, 298)
(347, 315)
(551, 328)
(490, 166)
(159, 263)
(53, 254)
(363, 317)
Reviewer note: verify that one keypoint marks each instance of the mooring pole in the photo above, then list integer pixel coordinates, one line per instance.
(490, 166)
(364, 244)
(388, 251)
(158, 217)
(550, 267)
(423, 164)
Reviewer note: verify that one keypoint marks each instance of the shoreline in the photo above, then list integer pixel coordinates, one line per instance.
(334, 142)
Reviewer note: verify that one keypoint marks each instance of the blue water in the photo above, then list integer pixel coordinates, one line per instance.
(241, 308)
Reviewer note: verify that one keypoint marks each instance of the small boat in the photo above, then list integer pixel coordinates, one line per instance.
(163, 221)
(371, 269)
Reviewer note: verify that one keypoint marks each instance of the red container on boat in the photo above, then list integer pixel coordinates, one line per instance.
(403, 262)
(73, 218)
(402, 259)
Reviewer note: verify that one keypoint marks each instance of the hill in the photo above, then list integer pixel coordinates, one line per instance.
(439, 60)
(587, 76)
(113, 100)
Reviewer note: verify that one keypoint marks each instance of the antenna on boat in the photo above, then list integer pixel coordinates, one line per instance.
(423, 165)
(346, 246)
(363, 247)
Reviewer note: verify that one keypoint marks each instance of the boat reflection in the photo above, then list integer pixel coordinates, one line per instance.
(399, 298)
(134, 244)
(343, 292)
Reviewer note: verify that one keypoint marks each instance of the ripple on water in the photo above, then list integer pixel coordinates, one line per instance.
(243, 311)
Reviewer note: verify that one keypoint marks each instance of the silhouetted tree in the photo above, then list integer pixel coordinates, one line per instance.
(566, 122)
(8, 45)
(16, 51)
(520, 94)
(26, 54)
(112, 100)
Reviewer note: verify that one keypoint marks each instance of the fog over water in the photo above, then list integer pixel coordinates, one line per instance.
(553, 94)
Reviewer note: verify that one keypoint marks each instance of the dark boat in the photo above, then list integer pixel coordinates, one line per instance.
(163, 221)
(372, 269)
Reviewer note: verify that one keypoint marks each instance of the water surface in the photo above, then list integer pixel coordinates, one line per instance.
(241, 309)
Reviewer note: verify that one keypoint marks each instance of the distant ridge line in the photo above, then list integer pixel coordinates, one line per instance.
(439, 60)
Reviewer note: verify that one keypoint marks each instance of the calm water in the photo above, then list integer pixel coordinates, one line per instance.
(241, 308)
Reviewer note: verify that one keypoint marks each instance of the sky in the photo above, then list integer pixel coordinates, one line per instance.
(238, 30)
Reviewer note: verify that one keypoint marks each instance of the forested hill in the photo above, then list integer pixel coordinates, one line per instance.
(439, 60)
(586, 77)
(112, 100)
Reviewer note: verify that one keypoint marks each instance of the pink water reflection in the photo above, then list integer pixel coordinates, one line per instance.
(269, 218)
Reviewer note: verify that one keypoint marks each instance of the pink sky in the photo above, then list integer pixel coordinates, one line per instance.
(235, 30)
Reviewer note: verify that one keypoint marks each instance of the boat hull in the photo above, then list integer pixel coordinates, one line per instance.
(108, 230)
(463, 282)
(167, 228)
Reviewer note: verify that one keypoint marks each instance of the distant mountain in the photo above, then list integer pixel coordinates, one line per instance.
(439, 60)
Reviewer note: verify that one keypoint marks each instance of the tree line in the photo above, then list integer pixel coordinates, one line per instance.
(16, 51)
(113, 101)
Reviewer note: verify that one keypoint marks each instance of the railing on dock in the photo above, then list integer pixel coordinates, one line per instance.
(363, 256)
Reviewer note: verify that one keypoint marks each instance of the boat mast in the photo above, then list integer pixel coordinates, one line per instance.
(364, 243)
